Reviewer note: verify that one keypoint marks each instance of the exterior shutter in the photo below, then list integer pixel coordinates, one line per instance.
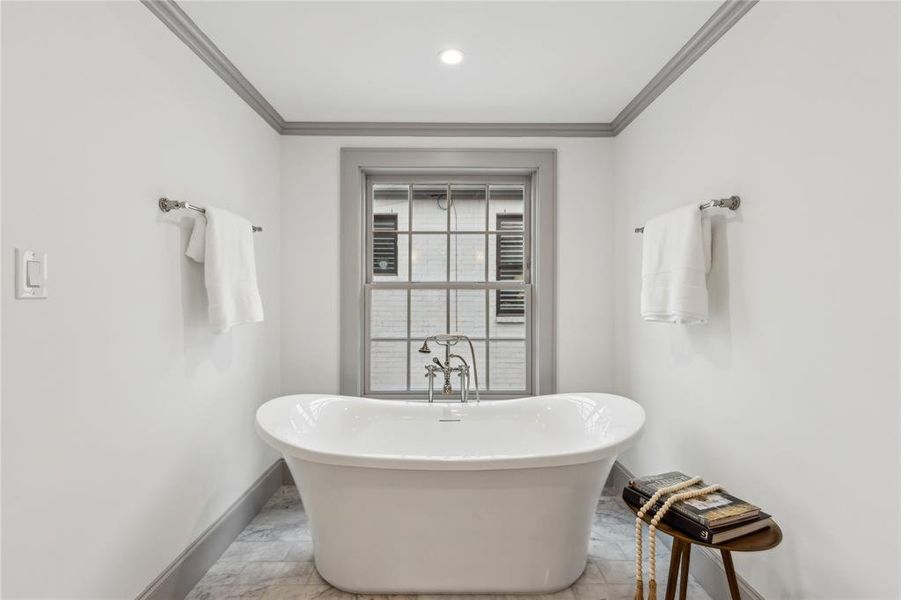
(510, 252)
(384, 245)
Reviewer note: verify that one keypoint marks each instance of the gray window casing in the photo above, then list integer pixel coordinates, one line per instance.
(358, 163)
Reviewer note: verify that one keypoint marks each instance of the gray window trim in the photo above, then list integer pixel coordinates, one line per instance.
(358, 163)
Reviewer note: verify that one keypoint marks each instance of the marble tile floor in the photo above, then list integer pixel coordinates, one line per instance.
(272, 559)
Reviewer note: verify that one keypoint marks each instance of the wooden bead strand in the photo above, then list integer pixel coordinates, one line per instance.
(652, 531)
(639, 584)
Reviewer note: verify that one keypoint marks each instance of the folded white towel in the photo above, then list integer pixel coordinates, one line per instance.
(224, 243)
(674, 265)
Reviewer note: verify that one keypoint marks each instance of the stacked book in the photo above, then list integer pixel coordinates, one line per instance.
(713, 519)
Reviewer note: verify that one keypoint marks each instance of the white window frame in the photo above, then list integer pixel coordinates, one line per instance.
(360, 165)
(450, 180)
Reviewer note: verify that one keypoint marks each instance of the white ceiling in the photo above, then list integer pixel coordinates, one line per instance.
(378, 61)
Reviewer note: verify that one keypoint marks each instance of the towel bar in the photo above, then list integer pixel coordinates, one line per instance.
(166, 205)
(732, 203)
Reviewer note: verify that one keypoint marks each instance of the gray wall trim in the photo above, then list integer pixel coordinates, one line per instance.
(185, 571)
(337, 128)
(181, 24)
(187, 31)
(357, 163)
(706, 565)
(718, 24)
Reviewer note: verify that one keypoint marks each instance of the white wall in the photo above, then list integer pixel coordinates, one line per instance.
(311, 239)
(790, 395)
(1, 319)
(127, 427)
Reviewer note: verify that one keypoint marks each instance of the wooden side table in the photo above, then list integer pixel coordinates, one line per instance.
(681, 554)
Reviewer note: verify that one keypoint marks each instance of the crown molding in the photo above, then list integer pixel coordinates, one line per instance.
(721, 21)
(356, 128)
(187, 31)
(727, 15)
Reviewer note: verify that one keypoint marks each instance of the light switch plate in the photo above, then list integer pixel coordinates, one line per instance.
(31, 274)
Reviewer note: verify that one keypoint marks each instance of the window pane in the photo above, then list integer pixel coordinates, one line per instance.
(388, 313)
(418, 361)
(467, 258)
(468, 208)
(504, 200)
(506, 314)
(463, 350)
(388, 366)
(430, 208)
(391, 200)
(507, 366)
(429, 258)
(428, 313)
(389, 256)
(467, 312)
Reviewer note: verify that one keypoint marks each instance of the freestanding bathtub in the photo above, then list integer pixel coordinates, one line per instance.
(411, 497)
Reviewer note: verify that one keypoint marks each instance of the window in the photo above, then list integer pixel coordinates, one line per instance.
(447, 255)
(420, 247)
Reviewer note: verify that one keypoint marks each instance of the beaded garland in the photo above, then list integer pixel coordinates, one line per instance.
(652, 530)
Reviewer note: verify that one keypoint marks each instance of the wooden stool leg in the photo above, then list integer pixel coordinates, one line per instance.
(730, 575)
(671, 578)
(683, 576)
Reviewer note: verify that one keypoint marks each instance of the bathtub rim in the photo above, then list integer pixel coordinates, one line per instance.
(432, 463)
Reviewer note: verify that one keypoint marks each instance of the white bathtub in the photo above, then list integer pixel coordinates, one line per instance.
(411, 497)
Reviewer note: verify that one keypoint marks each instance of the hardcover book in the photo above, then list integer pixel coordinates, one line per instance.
(694, 529)
(711, 511)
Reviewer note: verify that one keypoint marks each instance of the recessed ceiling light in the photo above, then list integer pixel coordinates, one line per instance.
(451, 56)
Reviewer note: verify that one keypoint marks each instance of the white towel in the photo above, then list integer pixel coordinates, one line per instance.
(224, 243)
(674, 265)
